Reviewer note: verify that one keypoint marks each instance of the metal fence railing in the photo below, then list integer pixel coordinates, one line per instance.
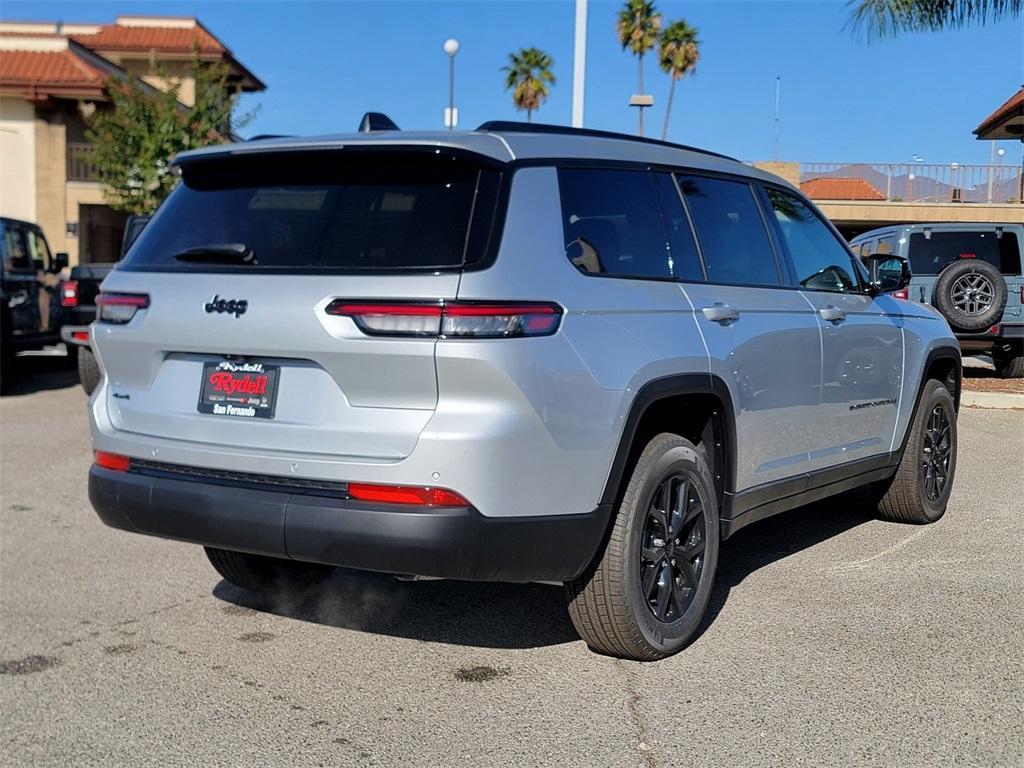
(918, 182)
(80, 162)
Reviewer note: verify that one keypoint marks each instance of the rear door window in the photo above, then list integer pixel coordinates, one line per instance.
(730, 230)
(331, 211)
(16, 252)
(931, 252)
(613, 224)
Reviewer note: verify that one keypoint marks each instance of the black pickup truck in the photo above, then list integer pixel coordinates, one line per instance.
(78, 296)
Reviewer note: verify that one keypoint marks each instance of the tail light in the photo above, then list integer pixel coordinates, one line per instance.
(406, 494)
(112, 461)
(82, 336)
(119, 308)
(900, 294)
(69, 294)
(454, 319)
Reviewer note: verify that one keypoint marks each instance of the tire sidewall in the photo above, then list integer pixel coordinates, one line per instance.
(668, 638)
(935, 394)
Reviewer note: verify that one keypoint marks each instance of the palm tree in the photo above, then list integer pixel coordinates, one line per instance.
(882, 18)
(529, 77)
(677, 56)
(638, 27)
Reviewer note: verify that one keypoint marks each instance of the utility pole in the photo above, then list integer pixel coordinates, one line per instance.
(579, 64)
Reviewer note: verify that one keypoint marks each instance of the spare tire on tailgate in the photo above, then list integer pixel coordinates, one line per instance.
(971, 295)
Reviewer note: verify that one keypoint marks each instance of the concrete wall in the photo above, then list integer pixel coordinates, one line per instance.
(17, 159)
(789, 171)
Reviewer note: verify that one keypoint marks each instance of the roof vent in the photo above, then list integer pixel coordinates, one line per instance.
(376, 121)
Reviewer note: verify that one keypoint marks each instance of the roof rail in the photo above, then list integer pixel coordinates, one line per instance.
(511, 126)
(262, 136)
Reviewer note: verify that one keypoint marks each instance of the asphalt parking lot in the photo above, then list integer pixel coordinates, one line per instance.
(833, 639)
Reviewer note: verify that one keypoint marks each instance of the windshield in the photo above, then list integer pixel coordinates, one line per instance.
(326, 210)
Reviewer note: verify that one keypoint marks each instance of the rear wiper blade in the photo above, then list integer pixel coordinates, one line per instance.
(226, 253)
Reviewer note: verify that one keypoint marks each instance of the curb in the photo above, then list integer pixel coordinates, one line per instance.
(991, 399)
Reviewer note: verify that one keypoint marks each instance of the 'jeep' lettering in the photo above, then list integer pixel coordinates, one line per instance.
(234, 307)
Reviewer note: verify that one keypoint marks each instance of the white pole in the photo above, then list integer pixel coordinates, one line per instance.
(579, 64)
(991, 167)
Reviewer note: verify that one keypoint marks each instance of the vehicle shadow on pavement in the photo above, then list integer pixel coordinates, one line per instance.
(490, 615)
(39, 373)
(780, 536)
(480, 614)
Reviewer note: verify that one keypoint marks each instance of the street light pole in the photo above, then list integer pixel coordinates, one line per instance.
(451, 47)
(579, 64)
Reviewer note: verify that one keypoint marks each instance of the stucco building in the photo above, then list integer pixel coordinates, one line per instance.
(51, 75)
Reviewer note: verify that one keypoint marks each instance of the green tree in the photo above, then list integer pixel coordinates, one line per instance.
(638, 26)
(884, 18)
(678, 54)
(144, 128)
(529, 77)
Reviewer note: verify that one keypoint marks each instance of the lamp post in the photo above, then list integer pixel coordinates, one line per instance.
(451, 47)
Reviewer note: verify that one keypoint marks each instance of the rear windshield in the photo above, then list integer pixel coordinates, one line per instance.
(929, 254)
(323, 211)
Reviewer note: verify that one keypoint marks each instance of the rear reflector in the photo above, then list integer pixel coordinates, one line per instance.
(119, 308)
(406, 494)
(82, 336)
(69, 294)
(900, 294)
(455, 319)
(113, 461)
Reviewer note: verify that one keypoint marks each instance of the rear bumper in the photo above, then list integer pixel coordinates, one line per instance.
(448, 542)
(982, 342)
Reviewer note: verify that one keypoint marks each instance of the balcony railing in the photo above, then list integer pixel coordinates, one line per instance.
(81, 165)
(916, 182)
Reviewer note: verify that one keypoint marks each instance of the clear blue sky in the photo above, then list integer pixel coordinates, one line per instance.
(325, 63)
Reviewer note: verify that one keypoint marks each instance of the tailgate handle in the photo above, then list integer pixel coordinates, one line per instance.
(721, 313)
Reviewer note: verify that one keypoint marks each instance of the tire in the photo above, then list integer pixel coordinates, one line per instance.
(971, 295)
(258, 573)
(88, 370)
(1009, 366)
(607, 603)
(909, 497)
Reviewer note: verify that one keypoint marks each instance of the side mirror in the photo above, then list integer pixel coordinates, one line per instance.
(60, 262)
(888, 272)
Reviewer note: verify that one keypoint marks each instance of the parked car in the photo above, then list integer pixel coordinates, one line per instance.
(30, 310)
(972, 274)
(78, 295)
(522, 353)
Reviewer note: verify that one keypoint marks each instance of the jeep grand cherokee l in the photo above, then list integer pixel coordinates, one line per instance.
(520, 353)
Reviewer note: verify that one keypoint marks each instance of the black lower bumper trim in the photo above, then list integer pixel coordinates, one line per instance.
(446, 542)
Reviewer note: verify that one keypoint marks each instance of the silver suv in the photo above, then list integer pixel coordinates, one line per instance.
(512, 354)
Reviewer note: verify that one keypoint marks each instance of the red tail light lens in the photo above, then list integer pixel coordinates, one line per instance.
(113, 461)
(455, 319)
(69, 294)
(901, 294)
(406, 494)
(82, 336)
(119, 308)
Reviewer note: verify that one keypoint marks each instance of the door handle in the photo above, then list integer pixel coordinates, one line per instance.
(721, 313)
(832, 314)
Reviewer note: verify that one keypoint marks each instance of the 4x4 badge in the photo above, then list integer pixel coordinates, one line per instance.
(234, 307)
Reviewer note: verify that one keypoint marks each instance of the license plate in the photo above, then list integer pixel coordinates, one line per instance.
(242, 390)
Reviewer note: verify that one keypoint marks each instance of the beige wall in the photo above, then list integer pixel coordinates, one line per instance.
(51, 171)
(879, 213)
(178, 70)
(17, 159)
(788, 171)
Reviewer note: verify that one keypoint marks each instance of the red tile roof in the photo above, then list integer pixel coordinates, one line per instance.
(48, 70)
(840, 188)
(1014, 104)
(114, 37)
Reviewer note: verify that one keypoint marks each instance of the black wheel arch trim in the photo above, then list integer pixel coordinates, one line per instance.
(723, 423)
